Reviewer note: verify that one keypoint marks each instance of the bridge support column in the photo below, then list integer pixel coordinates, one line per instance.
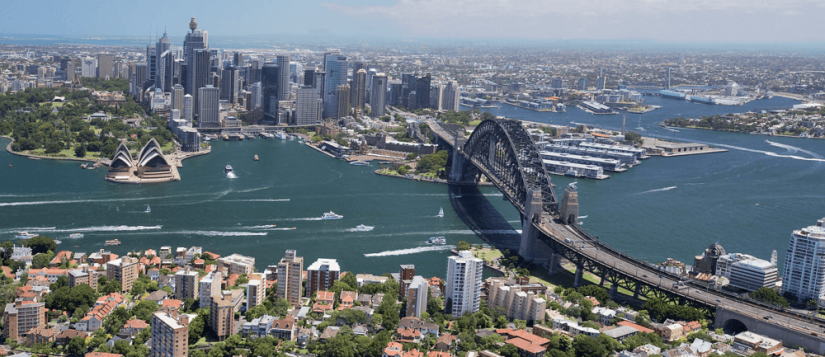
(604, 275)
(636, 291)
(554, 263)
(531, 248)
(614, 292)
(577, 281)
(456, 172)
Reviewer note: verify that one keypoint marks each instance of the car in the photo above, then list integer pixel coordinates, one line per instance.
(717, 300)
(696, 291)
(644, 275)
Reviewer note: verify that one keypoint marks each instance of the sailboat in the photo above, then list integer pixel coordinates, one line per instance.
(148, 210)
(440, 212)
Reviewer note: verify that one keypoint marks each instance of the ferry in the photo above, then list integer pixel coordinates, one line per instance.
(25, 235)
(359, 163)
(363, 228)
(437, 240)
(228, 169)
(331, 215)
(112, 242)
(440, 212)
(280, 135)
(76, 235)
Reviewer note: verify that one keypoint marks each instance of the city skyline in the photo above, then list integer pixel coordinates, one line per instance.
(694, 22)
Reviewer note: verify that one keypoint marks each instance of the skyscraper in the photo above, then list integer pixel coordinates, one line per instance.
(209, 102)
(309, 77)
(139, 79)
(161, 47)
(335, 67)
(229, 84)
(422, 92)
(804, 263)
(378, 95)
(463, 283)
(343, 101)
(255, 90)
(359, 92)
(238, 59)
(188, 113)
(164, 76)
(283, 77)
(151, 64)
(269, 89)
(417, 292)
(451, 98)
(667, 85)
(197, 39)
(177, 97)
(356, 66)
(308, 107)
(105, 65)
(436, 96)
(582, 83)
(290, 271)
(199, 75)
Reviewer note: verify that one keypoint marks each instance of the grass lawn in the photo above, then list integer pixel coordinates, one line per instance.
(201, 341)
(474, 123)
(487, 254)
(593, 279)
(67, 153)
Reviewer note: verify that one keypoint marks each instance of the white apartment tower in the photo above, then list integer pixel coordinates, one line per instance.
(463, 283)
(804, 274)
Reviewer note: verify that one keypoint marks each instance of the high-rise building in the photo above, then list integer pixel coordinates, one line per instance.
(222, 314)
(405, 277)
(451, 97)
(70, 71)
(151, 64)
(582, 83)
(188, 114)
(417, 292)
(88, 67)
(343, 101)
(165, 73)
(124, 270)
(556, 82)
(186, 284)
(105, 65)
(139, 79)
(309, 77)
(359, 92)
(255, 91)
(238, 58)
(520, 302)
(19, 317)
(177, 97)
(209, 107)
(229, 84)
(283, 77)
(195, 40)
(255, 293)
(437, 96)
(321, 275)
(804, 269)
(269, 88)
(422, 92)
(463, 283)
(667, 79)
(335, 69)
(308, 107)
(378, 95)
(199, 71)
(747, 272)
(290, 272)
(210, 286)
(170, 334)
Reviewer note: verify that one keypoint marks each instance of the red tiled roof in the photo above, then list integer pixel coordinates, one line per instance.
(525, 345)
(637, 327)
(103, 354)
(173, 303)
(325, 296)
(394, 349)
(232, 279)
(413, 353)
(438, 354)
(533, 339)
(135, 323)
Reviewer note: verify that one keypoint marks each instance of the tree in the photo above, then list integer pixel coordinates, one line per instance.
(462, 245)
(769, 296)
(53, 147)
(138, 288)
(412, 156)
(256, 312)
(77, 346)
(390, 312)
(508, 350)
(40, 244)
(42, 260)
(586, 346)
(80, 151)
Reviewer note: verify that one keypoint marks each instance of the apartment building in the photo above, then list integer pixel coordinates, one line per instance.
(518, 303)
(464, 282)
(186, 284)
(417, 293)
(290, 271)
(21, 316)
(321, 275)
(222, 314)
(170, 334)
(124, 270)
(210, 285)
(255, 293)
(238, 264)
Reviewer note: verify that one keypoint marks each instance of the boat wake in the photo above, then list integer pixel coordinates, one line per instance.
(102, 229)
(656, 190)
(582, 217)
(231, 175)
(299, 219)
(263, 226)
(220, 234)
(262, 200)
(253, 189)
(451, 232)
(816, 157)
(793, 149)
(26, 229)
(410, 251)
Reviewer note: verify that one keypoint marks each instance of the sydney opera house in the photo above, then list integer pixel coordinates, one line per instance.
(151, 165)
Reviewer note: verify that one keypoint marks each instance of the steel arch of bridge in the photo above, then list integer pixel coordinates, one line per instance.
(503, 151)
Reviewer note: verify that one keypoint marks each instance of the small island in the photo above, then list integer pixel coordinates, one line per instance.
(802, 123)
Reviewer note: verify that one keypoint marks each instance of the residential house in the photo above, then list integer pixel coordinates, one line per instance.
(419, 324)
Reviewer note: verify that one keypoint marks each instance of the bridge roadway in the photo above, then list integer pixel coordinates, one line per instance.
(572, 242)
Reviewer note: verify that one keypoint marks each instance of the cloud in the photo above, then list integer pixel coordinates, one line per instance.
(602, 19)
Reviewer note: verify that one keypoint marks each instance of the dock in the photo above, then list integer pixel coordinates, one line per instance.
(664, 148)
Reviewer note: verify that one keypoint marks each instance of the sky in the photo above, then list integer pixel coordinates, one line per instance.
(716, 21)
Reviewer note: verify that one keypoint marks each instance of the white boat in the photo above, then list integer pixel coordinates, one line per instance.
(280, 135)
(359, 163)
(437, 240)
(331, 215)
(25, 235)
(570, 172)
(363, 228)
(76, 235)
(228, 169)
(57, 241)
(440, 212)
(148, 210)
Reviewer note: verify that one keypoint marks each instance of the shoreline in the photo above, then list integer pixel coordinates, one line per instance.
(32, 156)
(439, 181)
(535, 110)
(741, 132)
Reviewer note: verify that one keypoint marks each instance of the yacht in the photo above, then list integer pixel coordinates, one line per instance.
(148, 209)
(76, 235)
(280, 135)
(570, 172)
(25, 235)
(363, 228)
(228, 169)
(331, 215)
(112, 242)
(440, 212)
(57, 241)
(437, 240)
(359, 163)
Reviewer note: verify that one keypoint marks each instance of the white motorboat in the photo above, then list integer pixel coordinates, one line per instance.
(363, 228)
(57, 241)
(359, 163)
(440, 212)
(76, 235)
(437, 240)
(331, 215)
(25, 235)
(280, 135)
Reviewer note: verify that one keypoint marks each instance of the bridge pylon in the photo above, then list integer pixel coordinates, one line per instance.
(532, 248)
(457, 171)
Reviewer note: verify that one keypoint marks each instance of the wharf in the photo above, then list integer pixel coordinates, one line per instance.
(658, 147)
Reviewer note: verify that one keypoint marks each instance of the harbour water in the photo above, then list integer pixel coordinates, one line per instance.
(748, 199)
